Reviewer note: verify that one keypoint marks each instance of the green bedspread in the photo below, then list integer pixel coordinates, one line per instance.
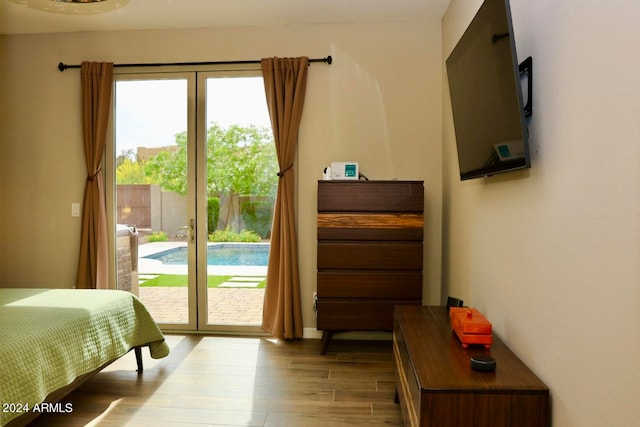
(48, 337)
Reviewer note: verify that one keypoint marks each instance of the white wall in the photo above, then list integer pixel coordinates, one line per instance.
(380, 103)
(551, 255)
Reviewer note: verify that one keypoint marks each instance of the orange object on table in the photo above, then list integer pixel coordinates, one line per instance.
(471, 327)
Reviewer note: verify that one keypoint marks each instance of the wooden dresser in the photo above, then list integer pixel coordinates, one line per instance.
(437, 387)
(370, 239)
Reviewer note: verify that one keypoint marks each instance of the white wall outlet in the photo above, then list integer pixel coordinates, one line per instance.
(75, 209)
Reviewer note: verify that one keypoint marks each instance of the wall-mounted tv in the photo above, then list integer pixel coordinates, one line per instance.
(487, 96)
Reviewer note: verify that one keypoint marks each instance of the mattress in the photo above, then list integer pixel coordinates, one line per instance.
(49, 337)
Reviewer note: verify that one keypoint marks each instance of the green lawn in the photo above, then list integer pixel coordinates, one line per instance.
(176, 280)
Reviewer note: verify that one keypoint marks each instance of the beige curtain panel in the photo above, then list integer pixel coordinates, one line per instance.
(93, 266)
(285, 81)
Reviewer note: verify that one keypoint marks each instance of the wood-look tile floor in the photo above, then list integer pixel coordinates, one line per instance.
(241, 381)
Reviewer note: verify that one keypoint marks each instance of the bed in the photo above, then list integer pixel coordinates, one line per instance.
(51, 340)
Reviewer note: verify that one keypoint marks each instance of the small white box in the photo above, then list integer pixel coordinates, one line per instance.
(344, 170)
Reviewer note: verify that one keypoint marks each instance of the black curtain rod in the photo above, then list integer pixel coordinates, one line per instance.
(62, 66)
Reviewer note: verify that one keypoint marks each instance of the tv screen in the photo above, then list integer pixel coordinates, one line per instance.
(486, 95)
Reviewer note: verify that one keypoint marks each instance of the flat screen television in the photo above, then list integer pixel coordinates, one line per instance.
(485, 85)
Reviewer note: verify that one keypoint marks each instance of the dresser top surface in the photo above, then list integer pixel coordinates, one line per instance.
(370, 181)
(441, 364)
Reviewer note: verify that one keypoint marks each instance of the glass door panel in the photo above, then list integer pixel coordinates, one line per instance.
(237, 187)
(154, 140)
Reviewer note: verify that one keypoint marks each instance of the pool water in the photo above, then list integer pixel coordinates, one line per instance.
(221, 254)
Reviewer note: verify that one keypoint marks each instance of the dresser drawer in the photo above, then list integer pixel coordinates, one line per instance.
(370, 255)
(370, 196)
(370, 226)
(370, 284)
(371, 315)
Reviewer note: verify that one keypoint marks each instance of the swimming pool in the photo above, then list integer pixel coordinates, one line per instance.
(219, 254)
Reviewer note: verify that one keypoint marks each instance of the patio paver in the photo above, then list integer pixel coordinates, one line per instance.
(226, 306)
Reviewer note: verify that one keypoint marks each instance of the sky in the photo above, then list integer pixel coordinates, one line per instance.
(149, 113)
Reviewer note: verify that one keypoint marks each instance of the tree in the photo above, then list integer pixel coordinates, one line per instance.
(240, 161)
(126, 155)
(169, 167)
(129, 169)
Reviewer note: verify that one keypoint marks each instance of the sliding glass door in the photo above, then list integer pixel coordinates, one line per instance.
(195, 179)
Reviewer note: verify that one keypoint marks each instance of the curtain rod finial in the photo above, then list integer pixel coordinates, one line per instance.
(62, 67)
(329, 59)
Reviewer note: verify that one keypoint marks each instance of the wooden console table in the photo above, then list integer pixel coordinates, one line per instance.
(437, 387)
